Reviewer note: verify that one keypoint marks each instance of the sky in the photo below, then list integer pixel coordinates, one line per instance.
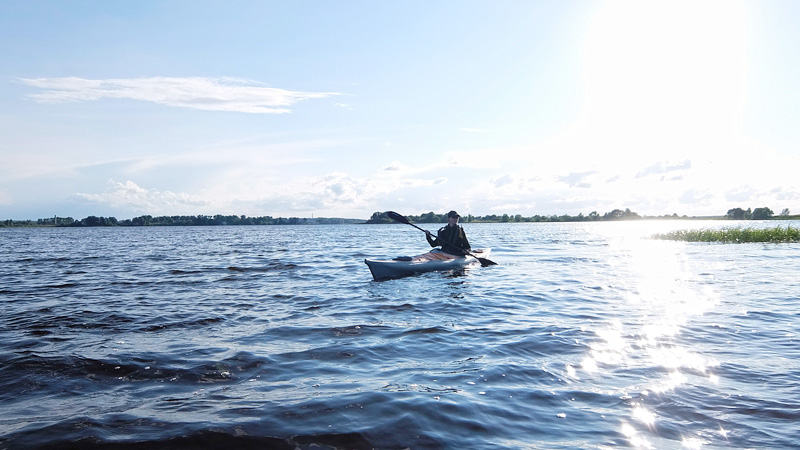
(341, 109)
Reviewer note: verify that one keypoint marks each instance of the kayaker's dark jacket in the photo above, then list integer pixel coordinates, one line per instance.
(451, 239)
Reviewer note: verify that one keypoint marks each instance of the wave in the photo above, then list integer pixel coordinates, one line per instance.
(92, 435)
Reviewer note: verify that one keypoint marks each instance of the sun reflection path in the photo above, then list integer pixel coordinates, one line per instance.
(658, 296)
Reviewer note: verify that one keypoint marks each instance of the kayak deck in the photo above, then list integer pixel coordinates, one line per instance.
(435, 260)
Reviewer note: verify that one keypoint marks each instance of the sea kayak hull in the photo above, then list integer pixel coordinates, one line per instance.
(433, 261)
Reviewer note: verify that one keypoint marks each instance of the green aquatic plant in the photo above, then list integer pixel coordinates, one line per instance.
(733, 235)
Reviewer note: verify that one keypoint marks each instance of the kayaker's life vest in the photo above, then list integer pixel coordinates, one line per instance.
(452, 240)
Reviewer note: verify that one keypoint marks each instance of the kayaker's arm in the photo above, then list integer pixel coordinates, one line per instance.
(431, 240)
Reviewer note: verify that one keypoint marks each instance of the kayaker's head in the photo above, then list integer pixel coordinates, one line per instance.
(452, 218)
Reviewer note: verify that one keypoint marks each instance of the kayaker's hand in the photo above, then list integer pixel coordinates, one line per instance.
(428, 234)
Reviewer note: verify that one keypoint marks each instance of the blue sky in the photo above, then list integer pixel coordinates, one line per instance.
(341, 109)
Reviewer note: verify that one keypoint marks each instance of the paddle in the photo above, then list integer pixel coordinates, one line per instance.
(402, 219)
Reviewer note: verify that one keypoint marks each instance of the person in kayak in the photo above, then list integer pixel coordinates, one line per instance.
(451, 237)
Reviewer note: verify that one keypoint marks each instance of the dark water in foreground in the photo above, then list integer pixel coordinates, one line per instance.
(584, 336)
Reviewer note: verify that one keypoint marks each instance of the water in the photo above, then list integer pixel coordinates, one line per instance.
(584, 336)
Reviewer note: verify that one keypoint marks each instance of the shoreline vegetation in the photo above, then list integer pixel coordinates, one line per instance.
(734, 235)
(377, 218)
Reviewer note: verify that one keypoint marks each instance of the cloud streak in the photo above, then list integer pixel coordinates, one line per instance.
(204, 93)
(660, 168)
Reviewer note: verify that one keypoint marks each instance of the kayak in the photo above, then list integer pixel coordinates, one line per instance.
(434, 260)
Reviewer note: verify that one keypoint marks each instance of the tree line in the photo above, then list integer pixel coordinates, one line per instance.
(614, 215)
(376, 218)
(756, 214)
(151, 221)
(431, 217)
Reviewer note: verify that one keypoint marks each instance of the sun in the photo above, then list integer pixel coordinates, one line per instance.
(665, 75)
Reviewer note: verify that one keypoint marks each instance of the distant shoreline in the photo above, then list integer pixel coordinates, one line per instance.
(377, 219)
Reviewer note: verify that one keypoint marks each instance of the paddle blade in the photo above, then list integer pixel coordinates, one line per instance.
(398, 217)
(486, 262)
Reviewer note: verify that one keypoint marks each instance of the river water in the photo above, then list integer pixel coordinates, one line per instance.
(583, 336)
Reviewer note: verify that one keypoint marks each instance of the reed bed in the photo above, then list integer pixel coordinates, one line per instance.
(734, 235)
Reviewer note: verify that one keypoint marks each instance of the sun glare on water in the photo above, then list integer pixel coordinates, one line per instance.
(658, 297)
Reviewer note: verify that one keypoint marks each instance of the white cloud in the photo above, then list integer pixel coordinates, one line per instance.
(335, 194)
(692, 196)
(209, 94)
(661, 168)
(131, 196)
(339, 189)
(577, 179)
(741, 193)
(502, 181)
(784, 194)
(394, 166)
